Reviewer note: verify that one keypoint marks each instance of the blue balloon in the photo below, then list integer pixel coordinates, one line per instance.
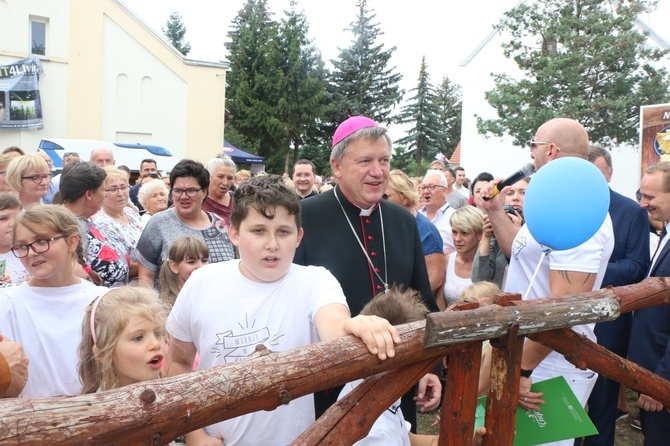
(566, 203)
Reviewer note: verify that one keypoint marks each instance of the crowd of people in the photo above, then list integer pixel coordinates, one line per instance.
(107, 284)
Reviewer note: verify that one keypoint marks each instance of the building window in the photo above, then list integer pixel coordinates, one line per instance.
(38, 36)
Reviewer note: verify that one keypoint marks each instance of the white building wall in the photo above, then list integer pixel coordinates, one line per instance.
(150, 102)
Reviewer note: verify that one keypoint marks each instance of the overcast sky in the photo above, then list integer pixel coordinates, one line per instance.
(445, 32)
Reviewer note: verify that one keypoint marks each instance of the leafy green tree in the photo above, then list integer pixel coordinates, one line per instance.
(362, 83)
(583, 59)
(175, 31)
(450, 105)
(425, 137)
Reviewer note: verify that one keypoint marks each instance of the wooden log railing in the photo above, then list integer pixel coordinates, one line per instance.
(156, 412)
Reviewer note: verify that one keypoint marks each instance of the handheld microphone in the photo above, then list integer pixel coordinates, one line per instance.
(526, 171)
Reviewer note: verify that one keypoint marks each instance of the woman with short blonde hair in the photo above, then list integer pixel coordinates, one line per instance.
(29, 176)
(467, 227)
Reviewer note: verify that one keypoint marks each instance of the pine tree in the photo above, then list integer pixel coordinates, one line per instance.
(175, 31)
(583, 59)
(362, 83)
(450, 105)
(425, 138)
(301, 82)
(318, 155)
(252, 90)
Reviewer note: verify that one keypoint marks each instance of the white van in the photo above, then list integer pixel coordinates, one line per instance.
(130, 155)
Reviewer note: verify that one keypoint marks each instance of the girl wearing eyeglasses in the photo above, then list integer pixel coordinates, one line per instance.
(44, 314)
(29, 176)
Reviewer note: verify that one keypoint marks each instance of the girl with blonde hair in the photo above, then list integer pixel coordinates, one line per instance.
(123, 339)
(482, 293)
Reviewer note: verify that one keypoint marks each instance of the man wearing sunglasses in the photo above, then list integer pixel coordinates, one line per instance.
(572, 271)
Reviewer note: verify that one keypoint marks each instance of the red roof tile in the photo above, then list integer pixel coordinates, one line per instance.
(455, 159)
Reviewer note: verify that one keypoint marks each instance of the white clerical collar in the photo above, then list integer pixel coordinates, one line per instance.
(363, 212)
(367, 212)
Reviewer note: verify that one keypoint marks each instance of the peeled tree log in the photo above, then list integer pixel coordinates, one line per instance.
(540, 315)
(493, 321)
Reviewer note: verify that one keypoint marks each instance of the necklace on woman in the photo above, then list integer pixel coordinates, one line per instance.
(372, 266)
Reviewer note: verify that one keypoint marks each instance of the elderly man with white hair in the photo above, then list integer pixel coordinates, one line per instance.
(102, 156)
(436, 208)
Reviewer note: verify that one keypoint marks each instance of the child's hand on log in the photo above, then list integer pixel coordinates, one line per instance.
(378, 334)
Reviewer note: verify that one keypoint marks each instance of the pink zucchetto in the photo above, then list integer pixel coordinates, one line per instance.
(350, 126)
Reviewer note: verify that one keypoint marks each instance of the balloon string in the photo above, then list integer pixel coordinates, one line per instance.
(545, 253)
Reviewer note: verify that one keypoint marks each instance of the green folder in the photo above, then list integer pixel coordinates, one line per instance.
(561, 417)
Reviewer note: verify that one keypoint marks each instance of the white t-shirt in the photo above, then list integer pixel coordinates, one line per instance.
(390, 429)
(17, 272)
(590, 257)
(442, 223)
(226, 315)
(47, 322)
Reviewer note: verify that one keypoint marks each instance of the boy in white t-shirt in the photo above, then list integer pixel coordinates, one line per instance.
(226, 309)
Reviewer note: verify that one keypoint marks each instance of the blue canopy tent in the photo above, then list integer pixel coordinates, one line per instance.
(240, 156)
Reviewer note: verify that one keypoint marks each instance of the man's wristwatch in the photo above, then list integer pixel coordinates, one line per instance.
(526, 373)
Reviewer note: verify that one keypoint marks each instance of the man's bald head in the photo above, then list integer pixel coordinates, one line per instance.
(558, 138)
